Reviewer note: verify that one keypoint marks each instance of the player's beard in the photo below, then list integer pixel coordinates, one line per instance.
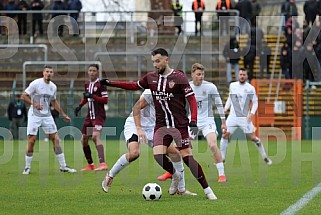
(161, 71)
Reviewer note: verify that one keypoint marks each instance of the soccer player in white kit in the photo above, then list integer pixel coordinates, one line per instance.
(206, 97)
(144, 114)
(241, 115)
(40, 94)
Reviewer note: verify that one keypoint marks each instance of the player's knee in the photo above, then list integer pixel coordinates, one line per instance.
(84, 140)
(213, 147)
(95, 138)
(134, 154)
(175, 157)
(253, 138)
(256, 141)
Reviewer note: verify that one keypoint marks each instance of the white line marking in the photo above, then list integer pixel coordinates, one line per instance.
(303, 201)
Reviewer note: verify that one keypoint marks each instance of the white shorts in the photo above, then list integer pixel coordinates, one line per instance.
(206, 129)
(130, 129)
(34, 122)
(233, 122)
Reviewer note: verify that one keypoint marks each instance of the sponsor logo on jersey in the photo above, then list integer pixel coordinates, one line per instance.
(95, 89)
(163, 96)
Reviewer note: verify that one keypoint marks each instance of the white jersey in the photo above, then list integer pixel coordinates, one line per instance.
(206, 96)
(147, 114)
(239, 100)
(42, 93)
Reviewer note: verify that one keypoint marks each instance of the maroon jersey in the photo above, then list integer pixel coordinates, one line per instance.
(169, 93)
(96, 109)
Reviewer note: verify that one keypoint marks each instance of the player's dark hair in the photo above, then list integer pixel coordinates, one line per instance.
(94, 65)
(160, 51)
(243, 69)
(47, 67)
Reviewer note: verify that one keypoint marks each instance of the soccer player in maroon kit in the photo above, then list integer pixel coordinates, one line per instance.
(96, 95)
(169, 89)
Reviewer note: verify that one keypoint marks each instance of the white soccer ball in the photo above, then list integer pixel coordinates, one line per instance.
(152, 191)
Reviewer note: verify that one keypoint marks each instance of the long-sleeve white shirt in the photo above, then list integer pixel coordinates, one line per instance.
(239, 100)
(206, 96)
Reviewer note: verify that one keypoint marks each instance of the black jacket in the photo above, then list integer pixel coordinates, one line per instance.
(17, 109)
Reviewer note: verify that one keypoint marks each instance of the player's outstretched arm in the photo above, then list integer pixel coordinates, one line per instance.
(101, 100)
(121, 84)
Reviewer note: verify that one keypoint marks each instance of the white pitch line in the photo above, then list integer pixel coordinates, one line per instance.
(303, 201)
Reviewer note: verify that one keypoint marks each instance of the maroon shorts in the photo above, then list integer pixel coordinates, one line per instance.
(91, 125)
(165, 136)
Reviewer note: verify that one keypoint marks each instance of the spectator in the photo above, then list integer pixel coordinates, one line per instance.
(22, 17)
(177, 8)
(75, 5)
(245, 9)
(310, 9)
(37, 17)
(198, 7)
(58, 5)
(256, 36)
(17, 114)
(11, 6)
(291, 26)
(256, 9)
(232, 56)
(289, 9)
(265, 56)
(286, 61)
(222, 8)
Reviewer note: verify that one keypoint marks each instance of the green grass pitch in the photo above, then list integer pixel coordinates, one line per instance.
(252, 187)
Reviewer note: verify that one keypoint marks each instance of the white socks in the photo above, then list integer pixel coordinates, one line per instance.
(28, 161)
(120, 164)
(208, 190)
(260, 147)
(61, 159)
(179, 167)
(220, 168)
(223, 147)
